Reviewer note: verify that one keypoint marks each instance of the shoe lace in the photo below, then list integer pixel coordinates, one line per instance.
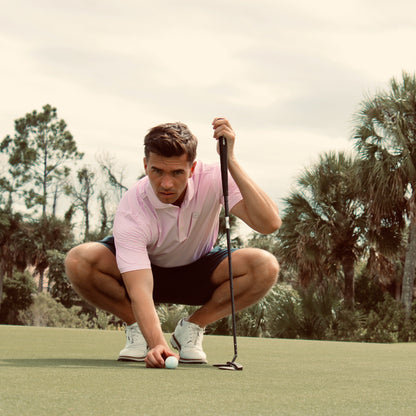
(195, 335)
(132, 334)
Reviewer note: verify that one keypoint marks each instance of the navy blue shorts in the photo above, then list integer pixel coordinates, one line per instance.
(187, 285)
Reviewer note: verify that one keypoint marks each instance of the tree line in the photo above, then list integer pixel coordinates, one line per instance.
(347, 245)
(350, 209)
(43, 170)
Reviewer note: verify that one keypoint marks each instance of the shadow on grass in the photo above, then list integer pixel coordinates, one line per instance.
(84, 363)
(68, 362)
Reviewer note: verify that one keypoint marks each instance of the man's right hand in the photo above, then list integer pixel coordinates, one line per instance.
(156, 356)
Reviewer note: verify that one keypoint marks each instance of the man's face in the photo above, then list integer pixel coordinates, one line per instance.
(169, 176)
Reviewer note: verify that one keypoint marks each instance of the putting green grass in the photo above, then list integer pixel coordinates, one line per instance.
(55, 371)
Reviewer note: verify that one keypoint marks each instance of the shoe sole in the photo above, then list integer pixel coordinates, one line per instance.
(127, 358)
(176, 345)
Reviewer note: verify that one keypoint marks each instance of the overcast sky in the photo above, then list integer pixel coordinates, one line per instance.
(289, 75)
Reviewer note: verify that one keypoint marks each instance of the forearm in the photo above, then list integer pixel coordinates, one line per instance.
(148, 320)
(259, 210)
(256, 209)
(139, 286)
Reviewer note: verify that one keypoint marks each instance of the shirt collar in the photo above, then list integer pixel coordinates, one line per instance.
(190, 192)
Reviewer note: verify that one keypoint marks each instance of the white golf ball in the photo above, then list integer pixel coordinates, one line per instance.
(171, 362)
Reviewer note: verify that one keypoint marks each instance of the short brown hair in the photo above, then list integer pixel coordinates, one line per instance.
(171, 139)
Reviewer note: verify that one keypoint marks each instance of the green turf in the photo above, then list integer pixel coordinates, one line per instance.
(52, 371)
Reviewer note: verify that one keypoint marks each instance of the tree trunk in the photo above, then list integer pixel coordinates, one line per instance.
(397, 290)
(409, 269)
(45, 175)
(87, 223)
(2, 274)
(55, 202)
(104, 217)
(40, 285)
(348, 269)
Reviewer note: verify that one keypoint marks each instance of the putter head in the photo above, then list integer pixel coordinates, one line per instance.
(230, 365)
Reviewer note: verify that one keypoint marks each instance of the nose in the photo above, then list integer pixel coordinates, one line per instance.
(166, 182)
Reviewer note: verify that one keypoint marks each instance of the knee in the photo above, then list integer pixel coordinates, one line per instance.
(89, 261)
(72, 263)
(266, 269)
(76, 265)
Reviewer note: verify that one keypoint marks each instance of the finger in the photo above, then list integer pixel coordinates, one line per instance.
(171, 354)
(159, 360)
(151, 363)
(154, 360)
(218, 119)
(223, 131)
(149, 360)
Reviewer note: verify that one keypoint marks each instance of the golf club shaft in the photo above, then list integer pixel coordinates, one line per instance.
(224, 177)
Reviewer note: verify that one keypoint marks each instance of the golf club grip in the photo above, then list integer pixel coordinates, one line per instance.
(224, 164)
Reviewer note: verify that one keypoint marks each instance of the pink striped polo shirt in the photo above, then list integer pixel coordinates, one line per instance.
(147, 230)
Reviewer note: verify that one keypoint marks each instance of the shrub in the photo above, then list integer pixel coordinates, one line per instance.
(368, 292)
(250, 322)
(387, 323)
(60, 286)
(18, 292)
(348, 325)
(285, 313)
(253, 321)
(170, 315)
(46, 311)
(307, 313)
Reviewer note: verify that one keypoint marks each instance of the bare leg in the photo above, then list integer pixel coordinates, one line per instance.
(255, 272)
(93, 272)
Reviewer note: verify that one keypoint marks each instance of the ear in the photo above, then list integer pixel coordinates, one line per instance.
(192, 169)
(145, 164)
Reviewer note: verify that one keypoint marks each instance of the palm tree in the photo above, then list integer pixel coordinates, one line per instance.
(324, 222)
(385, 137)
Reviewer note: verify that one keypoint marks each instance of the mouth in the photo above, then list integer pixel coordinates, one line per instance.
(167, 194)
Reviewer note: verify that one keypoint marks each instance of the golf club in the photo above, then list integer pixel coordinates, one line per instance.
(230, 365)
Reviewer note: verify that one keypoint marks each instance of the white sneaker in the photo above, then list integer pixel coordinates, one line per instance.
(136, 346)
(187, 339)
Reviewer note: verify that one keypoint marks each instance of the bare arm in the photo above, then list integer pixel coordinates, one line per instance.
(139, 285)
(256, 208)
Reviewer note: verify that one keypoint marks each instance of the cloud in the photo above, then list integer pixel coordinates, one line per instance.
(289, 75)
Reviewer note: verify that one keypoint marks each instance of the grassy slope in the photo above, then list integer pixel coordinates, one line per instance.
(51, 371)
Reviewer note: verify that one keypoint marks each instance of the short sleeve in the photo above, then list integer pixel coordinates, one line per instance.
(131, 242)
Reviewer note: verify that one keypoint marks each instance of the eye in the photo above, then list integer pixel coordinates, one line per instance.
(156, 171)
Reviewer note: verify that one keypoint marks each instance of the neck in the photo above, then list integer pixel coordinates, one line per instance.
(179, 201)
